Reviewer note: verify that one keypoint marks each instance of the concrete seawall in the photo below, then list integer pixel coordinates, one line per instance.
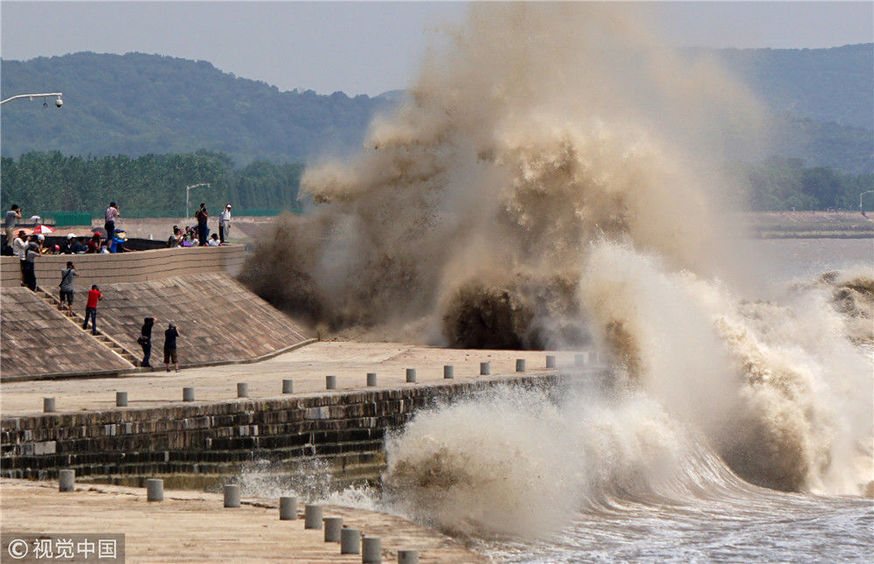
(140, 266)
(195, 445)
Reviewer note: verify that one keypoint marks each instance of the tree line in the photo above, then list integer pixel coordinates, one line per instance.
(147, 186)
(780, 184)
(154, 185)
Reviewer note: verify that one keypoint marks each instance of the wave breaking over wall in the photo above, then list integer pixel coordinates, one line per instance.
(554, 180)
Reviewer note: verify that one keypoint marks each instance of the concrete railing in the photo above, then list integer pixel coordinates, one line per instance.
(140, 266)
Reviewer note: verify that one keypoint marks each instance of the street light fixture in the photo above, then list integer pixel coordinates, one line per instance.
(861, 209)
(59, 100)
(187, 190)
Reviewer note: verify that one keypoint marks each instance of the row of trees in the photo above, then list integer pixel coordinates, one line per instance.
(150, 185)
(154, 185)
(785, 184)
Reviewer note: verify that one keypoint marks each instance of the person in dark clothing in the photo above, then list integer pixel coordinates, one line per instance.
(29, 266)
(170, 346)
(145, 340)
(202, 230)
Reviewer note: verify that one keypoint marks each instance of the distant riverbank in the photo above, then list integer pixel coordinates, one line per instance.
(809, 225)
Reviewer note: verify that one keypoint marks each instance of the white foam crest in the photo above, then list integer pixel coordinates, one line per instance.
(514, 462)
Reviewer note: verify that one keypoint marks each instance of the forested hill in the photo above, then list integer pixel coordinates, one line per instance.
(137, 104)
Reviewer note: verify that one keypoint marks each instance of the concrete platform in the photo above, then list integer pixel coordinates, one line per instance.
(194, 527)
(307, 366)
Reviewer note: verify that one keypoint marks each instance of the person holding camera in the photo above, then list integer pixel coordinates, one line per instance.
(145, 340)
(66, 285)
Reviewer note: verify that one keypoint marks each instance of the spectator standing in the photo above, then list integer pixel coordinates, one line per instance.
(145, 340)
(202, 230)
(170, 347)
(29, 265)
(225, 224)
(12, 215)
(66, 285)
(19, 249)
(94, 296)
(112, 214)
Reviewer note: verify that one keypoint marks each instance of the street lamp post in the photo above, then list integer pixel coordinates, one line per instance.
(187, 190)
(861, 209)
(59, 100)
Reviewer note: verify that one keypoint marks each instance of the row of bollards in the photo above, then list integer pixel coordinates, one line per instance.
(352, 541)
(580, 360)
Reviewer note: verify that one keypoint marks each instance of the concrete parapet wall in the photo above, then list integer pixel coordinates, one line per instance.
(197, 443)
(140, 266)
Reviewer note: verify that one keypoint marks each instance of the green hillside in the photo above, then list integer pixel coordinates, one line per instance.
(137, 104)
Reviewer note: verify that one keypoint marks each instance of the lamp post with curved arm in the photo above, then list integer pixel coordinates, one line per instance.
(861, 209)
(59, 97)
(187, 190)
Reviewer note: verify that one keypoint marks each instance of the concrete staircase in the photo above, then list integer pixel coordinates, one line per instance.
(128, 356)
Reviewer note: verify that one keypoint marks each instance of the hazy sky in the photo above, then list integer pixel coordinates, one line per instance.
(369, 47)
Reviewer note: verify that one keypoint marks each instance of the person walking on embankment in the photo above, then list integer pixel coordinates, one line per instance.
(145, 340)
(170, 347)
(66, 285)
(94, 296)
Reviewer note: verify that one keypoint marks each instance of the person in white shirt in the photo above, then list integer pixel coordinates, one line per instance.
(225, 224)
(19, 249)
(213, 241)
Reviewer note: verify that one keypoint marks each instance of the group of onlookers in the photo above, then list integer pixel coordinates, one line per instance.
(198, 236)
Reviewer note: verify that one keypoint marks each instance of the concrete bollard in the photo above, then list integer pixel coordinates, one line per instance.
(350, 541)
(520, 365)
(330, 382)
(312, 516)
(48, 405)
(187, 394)
(371, 550)
(448, 371)
(242, 390)
(371, 379)
(485, 368)
(66, 480)
(411, 377)
(154, 489)
(408, 557)
(287, 386)
(120, 399)
(333, 526)
(550, 361)
(232, 495)
(287, 508)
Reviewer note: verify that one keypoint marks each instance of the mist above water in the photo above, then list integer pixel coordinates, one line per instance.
(553, 181)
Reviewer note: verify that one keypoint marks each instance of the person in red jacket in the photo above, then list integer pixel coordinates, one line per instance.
(94, 296)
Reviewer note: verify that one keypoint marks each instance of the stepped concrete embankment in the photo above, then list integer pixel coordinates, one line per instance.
(219, 320)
